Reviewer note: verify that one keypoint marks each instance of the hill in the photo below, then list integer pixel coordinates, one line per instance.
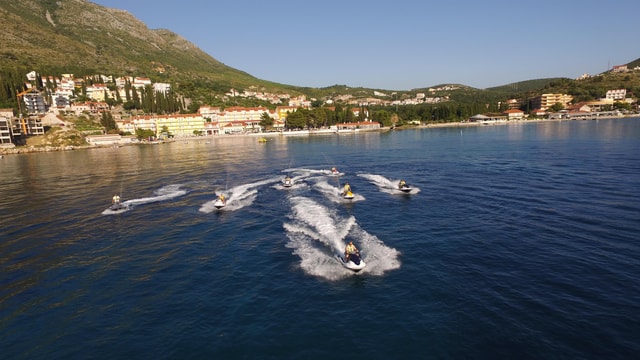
(81, 37)
(54, 37)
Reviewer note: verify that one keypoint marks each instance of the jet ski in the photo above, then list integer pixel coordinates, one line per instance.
(355, 262)
(404, 188)
(219, 203)
(348, 195)
(118, 207)
(287, 182)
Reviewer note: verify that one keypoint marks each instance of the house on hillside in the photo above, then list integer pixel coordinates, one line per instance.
(619, 68)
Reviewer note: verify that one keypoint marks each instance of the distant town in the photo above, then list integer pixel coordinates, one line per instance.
(46, 108)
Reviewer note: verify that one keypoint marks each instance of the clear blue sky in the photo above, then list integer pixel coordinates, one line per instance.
(402, 44)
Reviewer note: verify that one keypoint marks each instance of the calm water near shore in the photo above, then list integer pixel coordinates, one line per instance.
(518, 241)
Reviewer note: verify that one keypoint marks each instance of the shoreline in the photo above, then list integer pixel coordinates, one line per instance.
(16, 150)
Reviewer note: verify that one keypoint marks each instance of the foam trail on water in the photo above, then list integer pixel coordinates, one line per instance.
(335, 194)
(387, 185)
(238, 197)
(317, 234)
(162, 194)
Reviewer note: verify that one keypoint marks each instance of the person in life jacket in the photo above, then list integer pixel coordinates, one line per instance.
(350, 249)
(115, 199)
(334, 170)
(347, 189)
(221, 198)
(402, 183)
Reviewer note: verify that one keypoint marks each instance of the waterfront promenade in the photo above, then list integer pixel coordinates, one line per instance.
(34, 149)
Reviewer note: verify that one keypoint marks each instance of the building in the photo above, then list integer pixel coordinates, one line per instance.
(162, 87)
(89, 107)
(140, 82)
(282, 111)
(34, 102)
(31, 125)
(619, 68)
(5, 127)
(209, 113)
(108, 139)
(619, 94)
(514, 104)
(598, 105)
(513, 114)
(178, 125)
(239, 113)
(362, 125)
(582, 106)
(545, 101)
(98, 92)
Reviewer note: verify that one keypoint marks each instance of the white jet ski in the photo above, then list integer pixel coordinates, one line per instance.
(405, 188)
(118, 207)
(355, 262)
(287, 182)
(219, 203)
(334, 173)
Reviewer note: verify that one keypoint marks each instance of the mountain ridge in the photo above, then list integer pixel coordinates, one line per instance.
(49, 33)
(87, 38)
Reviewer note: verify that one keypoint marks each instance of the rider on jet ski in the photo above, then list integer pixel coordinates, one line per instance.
(350, 249)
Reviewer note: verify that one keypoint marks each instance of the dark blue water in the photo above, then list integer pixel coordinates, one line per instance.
(518, 241)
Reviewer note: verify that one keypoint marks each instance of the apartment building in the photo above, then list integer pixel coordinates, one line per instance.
(31, 125)
(34, 102)
(545, 101)
(178, 125)
(618, 94)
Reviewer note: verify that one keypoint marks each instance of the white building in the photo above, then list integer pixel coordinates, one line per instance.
(619, 94)
(161, 87)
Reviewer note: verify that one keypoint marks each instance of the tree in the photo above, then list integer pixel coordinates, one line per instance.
(316, 103)
(556, 107)
(108, 122)
(383, 117)
(621, 105)
(265, 120)
(165, 131)
(296, 120)
(144, 134)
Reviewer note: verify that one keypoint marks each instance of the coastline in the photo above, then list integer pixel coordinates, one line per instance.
(16, 150)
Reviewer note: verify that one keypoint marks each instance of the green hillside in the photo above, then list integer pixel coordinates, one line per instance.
(54, 37)
(80, 37)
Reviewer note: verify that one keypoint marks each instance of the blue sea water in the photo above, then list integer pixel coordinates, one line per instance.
(517, 241)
